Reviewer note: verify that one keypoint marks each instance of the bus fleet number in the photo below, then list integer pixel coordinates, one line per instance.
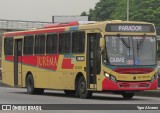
(78, 67)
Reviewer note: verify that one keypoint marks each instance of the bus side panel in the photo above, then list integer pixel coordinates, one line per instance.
(7, 68)
(79, 66)
(56, 80)
(67, 70)
(42, 78)
(69, 80)
(56, 76)
(7, 72)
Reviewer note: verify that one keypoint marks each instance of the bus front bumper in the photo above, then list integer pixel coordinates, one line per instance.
(108, 85)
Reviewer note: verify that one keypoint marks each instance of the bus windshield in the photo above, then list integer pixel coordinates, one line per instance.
(131, 50)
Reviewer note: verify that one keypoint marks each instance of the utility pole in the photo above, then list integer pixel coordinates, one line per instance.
(127, 10)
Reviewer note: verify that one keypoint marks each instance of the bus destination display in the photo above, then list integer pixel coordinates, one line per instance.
(129, 28)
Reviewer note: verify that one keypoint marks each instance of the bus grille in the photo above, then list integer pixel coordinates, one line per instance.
(133, 85)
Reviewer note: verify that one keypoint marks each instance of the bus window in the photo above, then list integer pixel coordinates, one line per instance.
(64, 43)
(28, 45)
(40, 44)
(78, 42)
(8, 46)
(51, 44)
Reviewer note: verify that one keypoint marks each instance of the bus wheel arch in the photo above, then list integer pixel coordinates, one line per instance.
(80, 79)
(74, 92)
(31, 86)
(78, 76)
(28, 73)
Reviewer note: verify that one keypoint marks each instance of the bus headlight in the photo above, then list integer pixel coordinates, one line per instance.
(154, 77)
(110, 77)
(106, 74)
(113, 78)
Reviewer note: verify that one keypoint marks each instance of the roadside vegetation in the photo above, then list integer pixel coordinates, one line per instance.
(139, 10)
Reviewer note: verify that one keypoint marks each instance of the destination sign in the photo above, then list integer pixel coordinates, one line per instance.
(130, 28)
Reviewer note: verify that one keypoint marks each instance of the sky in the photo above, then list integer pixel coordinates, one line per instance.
(42, 10)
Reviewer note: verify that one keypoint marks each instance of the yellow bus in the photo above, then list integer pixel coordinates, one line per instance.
(82, 57)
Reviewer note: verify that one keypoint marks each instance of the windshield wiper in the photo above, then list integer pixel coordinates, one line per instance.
(125, 43)
(139, 45)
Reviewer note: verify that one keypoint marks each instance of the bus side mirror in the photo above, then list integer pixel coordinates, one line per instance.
(102, 45)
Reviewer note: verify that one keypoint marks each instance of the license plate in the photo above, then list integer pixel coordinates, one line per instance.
(134, 86)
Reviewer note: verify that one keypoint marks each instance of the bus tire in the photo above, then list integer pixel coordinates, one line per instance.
(30, 86)
(82, 89)
(128, 95)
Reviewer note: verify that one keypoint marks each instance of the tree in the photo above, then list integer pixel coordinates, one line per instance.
(84, 14)
(102, 10)
(145, 10)
(140, 10)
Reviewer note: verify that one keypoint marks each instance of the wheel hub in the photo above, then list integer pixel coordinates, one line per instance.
(82, 87)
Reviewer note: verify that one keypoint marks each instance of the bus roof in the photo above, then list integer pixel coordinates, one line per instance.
(55, 28)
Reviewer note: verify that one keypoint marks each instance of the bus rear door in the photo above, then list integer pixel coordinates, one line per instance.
(18, 62)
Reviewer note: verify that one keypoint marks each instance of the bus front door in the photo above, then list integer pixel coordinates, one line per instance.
(18, 62)
(93, 59)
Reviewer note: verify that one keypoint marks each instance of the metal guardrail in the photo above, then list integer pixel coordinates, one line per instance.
(19, 24)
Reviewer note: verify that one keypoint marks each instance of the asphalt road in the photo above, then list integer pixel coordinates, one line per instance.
(19, 96)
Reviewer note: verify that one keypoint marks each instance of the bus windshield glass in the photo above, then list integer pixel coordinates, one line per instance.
(131, 50)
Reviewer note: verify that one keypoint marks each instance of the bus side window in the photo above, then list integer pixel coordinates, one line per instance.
(8, 46)
(78, 42)
(28, 45)
(64, 43)
(39, 44)
(51, 44)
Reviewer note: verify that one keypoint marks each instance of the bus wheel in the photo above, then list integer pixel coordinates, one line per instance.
(69, 92)
(30, 86)
(127, 95)
(82, 90)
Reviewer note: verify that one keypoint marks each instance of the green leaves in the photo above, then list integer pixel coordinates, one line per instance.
(140, 10)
